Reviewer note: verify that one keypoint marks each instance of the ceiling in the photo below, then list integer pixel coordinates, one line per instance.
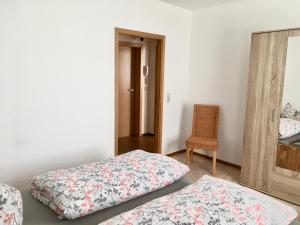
(197, 4)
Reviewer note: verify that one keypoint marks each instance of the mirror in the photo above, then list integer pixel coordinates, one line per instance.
(288, 150)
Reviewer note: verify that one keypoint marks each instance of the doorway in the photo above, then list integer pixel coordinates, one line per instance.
(129, 91)
(139, 60)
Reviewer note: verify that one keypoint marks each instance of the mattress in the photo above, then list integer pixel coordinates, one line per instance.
(36, 213)
(210, 200)
(78, 191)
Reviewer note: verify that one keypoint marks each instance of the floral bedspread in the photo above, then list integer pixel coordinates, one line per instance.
(11, 207)
(288, 128)
(209, 201)
(79, 191)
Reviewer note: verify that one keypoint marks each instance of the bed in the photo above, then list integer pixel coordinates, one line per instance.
(291, 140)
(210, 200)
(37, 214)
(288, 150)
(146, 168)
(11, 207)
(288, 128)
(82, 190)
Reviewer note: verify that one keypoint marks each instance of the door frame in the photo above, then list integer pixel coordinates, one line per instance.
(159, 83)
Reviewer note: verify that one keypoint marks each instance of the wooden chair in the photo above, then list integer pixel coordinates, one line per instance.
(204, 132)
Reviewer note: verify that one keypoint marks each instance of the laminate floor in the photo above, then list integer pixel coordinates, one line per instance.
(127, 144)
(202, 166)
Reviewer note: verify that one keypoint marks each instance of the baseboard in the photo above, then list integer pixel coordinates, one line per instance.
(176, 153)
(207, 157)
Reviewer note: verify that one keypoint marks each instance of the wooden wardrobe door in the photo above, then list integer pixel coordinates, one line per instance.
(285, 184)
(267, 67)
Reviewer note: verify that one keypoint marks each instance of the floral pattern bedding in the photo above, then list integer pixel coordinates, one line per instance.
(11, 206)
(79, 191)
(210, 201)
(297, 117)
(288, 128)
(289, 111)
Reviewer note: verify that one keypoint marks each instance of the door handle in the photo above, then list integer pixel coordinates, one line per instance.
(131, 90)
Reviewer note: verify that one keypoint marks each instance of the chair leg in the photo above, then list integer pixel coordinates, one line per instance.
(192, 154)
(214, 169)
(187, 157)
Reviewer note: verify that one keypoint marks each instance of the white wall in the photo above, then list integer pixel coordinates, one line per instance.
(57, 79)
(291, 90)
(220, 43)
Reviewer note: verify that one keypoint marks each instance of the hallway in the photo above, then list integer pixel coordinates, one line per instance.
(127, 144)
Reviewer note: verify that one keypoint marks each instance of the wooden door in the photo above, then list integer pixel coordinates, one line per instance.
(266, 78)
(136, 94)
(129, 91)
(124, 92)
(284, 184)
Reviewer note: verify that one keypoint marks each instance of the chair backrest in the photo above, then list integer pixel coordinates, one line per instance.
(205, 121)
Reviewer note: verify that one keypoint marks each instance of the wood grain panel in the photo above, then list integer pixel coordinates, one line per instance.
(159, 88)
(266, 79)
(288, 157)
(124, 115)
(135, 33)
(276, 82)
(281, 186)
(286, 188)
(296, 29)
(253, 171)
(294, 33)
(136, 85)
(266, 62)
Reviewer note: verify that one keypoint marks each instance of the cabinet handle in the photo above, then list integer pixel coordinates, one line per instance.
(273, 115)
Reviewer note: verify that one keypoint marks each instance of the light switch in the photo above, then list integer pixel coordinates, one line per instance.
(146, 70)
(168, 97)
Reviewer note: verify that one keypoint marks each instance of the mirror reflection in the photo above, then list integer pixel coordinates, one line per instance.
(288, 151)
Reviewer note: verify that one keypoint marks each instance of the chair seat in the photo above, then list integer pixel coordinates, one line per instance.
(201, 142)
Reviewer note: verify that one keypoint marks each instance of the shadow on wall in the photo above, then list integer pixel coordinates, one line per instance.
(184, 132)
(188, 123)
(21, 175)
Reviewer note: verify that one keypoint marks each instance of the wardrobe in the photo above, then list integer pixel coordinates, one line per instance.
(261, 169)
